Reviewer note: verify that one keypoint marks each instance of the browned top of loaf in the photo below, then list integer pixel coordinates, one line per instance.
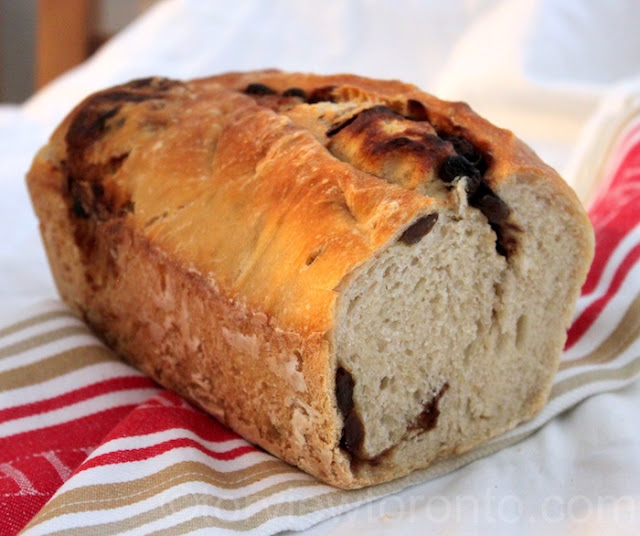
(245, 189)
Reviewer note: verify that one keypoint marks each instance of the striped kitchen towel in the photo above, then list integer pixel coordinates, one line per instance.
(89, 445)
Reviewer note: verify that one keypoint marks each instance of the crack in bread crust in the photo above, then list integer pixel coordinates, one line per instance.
(407, 150)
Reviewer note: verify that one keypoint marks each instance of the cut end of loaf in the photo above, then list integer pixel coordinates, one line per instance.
(446, 342)
(406, 317)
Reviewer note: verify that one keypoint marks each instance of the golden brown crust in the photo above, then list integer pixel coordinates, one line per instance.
(228, 220)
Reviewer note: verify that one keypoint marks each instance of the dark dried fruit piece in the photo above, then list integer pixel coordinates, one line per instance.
(78, 209)
(428, 419)
(453, 167)
(464, 148)
(352, 433)
(294, 92)
(352, 429)
(494, 208)
(141, 83)
(259, 89)
(497, 213)
(154, 82)
(344, 391)
(97, 189)
(414, 234)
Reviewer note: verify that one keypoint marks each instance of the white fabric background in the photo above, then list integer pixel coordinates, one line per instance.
(539, 67)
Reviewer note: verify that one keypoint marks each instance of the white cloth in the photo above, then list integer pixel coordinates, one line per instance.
(539, 67)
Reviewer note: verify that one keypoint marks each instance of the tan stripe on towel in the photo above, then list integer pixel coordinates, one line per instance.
(103, 497)
(289, 508)
(37, 319)
(39, 340)
(630, 370)
(116, 495)
(55, 366)
(627, 331)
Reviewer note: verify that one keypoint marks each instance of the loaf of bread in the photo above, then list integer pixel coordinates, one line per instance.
(354, 275)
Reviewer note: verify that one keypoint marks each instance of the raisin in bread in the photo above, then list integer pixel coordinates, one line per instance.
(351, 273)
